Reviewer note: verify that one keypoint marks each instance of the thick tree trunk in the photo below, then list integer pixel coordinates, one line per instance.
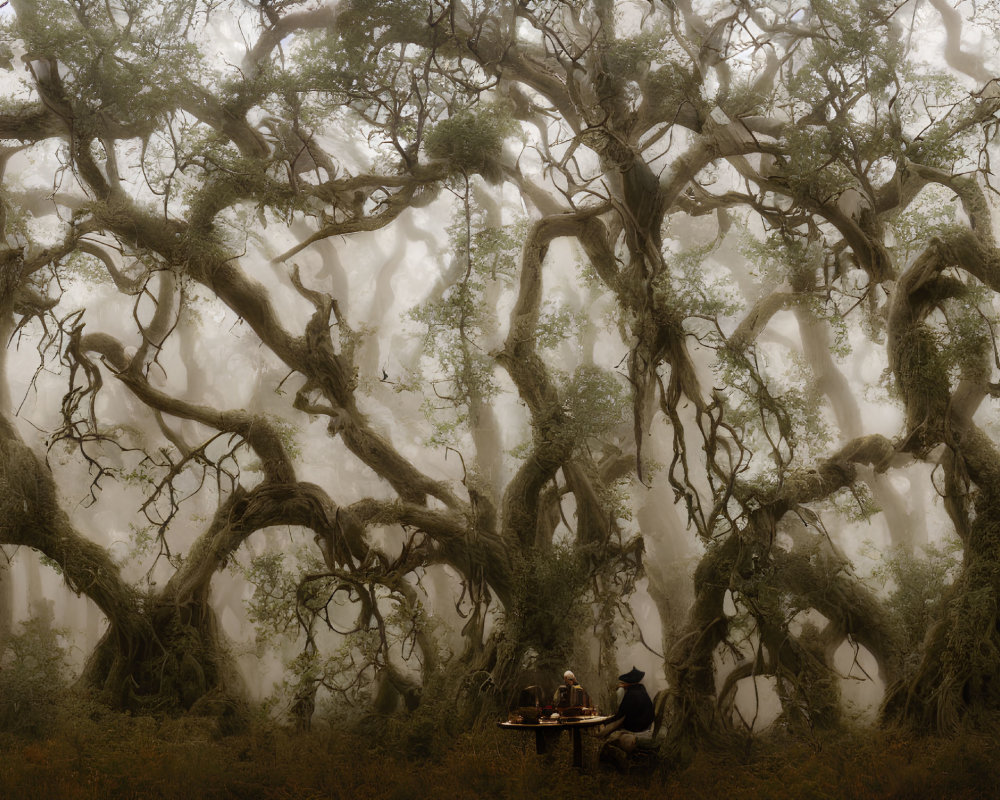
(693, 713)
(174, 660)
(6, 598)
(157, 654)
(747, 563)
(958, 679)
(805, 679)
(820, 582)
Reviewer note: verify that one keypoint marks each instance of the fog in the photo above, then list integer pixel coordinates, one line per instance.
(366, 360)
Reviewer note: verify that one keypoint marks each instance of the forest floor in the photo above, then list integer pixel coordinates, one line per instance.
(101, 755)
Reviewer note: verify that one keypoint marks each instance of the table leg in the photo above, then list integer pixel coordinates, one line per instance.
(539, 741)
(577, 748)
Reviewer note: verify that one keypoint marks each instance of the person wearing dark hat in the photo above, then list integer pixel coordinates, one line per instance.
(633, 720)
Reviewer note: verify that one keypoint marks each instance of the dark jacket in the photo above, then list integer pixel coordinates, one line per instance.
(636, 708)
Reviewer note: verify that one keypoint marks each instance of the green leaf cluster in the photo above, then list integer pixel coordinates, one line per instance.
(548, 611)
(628, 56)
(555, 324)
(919, 584)
(34, 668)
(779, 259)
(669, 88)
(931, 215)
(773, 414)
(595, 401)
(273, 604)
(131, 65)
(690, 286)
(457, 323)
(969, 346)
(858, 51)
(471, 140)
(812, 169)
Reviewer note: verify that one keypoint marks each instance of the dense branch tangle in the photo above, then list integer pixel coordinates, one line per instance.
(711, 169)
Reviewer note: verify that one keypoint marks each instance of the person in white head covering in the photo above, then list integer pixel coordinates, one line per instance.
(564, 692)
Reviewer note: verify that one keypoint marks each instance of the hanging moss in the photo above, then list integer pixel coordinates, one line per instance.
(922, 374)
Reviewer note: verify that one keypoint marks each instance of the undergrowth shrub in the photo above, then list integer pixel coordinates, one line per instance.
(104, 755)
(33, 672)
(428, 731)
(919, 583)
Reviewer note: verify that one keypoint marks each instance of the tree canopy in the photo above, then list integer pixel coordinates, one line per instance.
(452, 330)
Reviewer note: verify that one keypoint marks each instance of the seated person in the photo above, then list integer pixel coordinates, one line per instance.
(634, 719)
(570, 693)
(530, 701)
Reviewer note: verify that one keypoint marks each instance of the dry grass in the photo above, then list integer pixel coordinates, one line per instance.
(99, 755)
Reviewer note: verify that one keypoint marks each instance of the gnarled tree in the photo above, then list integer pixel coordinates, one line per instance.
(760, 199)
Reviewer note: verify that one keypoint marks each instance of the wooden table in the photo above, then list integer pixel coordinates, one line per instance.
(572, 724)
